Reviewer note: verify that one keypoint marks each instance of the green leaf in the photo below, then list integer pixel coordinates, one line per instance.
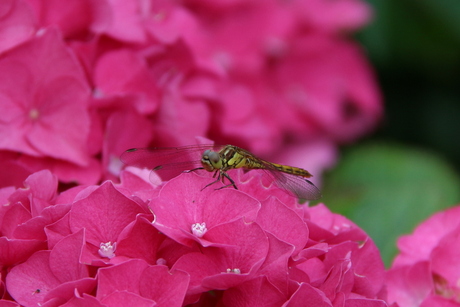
(389, 189)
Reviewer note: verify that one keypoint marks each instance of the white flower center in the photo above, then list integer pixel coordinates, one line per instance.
(199, 229)
(235, 271)
(107, 250)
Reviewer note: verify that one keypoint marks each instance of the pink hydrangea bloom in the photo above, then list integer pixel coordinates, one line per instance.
(83, 81)
(426, 273)
(180, 243)
(264, 75)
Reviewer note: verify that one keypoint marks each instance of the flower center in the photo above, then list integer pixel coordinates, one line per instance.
(107, 250)
(34, 114)
(199, 229)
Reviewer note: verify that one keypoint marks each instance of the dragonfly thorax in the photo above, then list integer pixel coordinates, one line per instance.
(211, 160)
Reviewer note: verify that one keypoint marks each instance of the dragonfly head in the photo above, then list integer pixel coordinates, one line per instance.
(211, 160)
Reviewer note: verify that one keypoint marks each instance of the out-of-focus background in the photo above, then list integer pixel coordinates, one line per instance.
(409, 168)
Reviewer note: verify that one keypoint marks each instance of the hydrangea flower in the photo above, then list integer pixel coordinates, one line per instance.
(270, 76)
(181, 245)
(425, 272)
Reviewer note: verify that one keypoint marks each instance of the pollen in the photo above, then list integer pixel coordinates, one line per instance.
(199, 229)
(234, 271)
(107, 250)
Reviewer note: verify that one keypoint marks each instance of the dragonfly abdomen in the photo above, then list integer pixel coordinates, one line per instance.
(292, 170)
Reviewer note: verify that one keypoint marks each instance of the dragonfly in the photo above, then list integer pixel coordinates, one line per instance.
(169, 162)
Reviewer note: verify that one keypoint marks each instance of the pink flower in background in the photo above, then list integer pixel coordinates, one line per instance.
(426, 272)
(264, 75)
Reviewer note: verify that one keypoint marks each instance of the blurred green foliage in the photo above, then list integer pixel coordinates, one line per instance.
(385, 185)
(388, 189)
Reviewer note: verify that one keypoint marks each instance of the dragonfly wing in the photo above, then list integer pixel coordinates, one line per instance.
(168, 162)
(171, 170)
(297, 186)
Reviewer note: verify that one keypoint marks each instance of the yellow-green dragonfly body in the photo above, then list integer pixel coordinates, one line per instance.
(170, 162)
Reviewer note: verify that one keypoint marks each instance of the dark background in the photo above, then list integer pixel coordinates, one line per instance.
(414, 46)
(409, 168)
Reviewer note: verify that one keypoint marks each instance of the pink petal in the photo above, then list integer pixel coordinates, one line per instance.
(308, 296)
(256, 292)
(410, 285)
(66, 291)
(140, 241)
(121, 277)
(35, 100)
(17, 23)
(274, 217)
(193, 205)
(124, 298)
(13, 251)
(125, 73)
(65, 258)
(104, 214)
(166, 288)
(275, 265)
(24, 279)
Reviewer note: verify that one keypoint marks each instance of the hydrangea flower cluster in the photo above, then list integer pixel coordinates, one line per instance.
(135, 244)
(426, 272)
(83, 81)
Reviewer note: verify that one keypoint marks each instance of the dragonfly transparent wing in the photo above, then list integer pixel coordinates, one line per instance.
(168, 162)
(297, 186)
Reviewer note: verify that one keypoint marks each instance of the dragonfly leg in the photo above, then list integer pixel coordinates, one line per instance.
(220, 178)
(232, 183)
(195, 169)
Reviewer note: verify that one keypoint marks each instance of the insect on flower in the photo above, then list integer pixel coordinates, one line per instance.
(169, 162)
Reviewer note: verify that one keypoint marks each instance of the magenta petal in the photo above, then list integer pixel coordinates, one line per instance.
(242, 248)
(140, 241)
(121, 277)
(35, 227)
(275, 265)
(104, 214)
(66, 291)
(307, 295)
(369, 270)
(165, 287)
(182, 203)
(255, 292)
(445, 257)
(283, 223)
(83, 300)
(65, 258)
(409, 285)
(125, 298)
(367, 303)
(58, 230)
(18, 23)
(42, 184)
(24, 279)
(45, 109)
(198, 266)
(13, 251)
(5, 303)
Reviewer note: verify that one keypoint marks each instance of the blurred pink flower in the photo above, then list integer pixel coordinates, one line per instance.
(17, 23)
(44, 110)
(426, 272)
(264, 75)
